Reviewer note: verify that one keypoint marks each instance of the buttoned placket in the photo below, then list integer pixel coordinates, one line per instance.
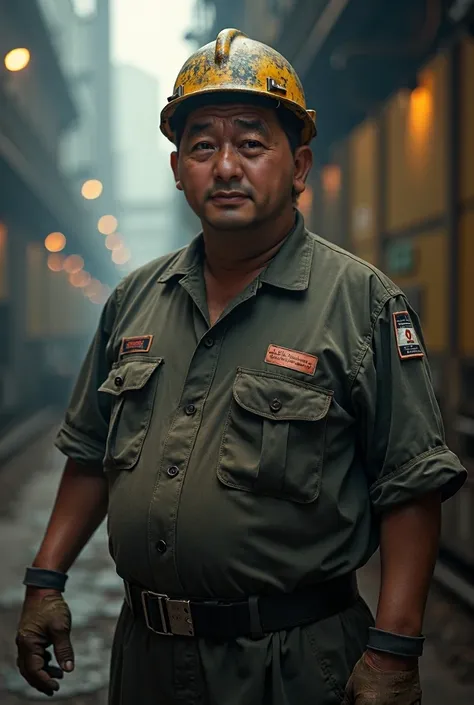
(184, 427)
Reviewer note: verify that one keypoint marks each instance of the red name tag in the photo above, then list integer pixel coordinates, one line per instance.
(137, 344)
(292, 359)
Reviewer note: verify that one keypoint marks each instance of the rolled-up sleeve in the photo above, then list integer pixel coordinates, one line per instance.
(400, 426)
(83, 433)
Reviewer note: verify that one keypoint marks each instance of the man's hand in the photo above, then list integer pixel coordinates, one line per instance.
(380, 680)
(45, 621)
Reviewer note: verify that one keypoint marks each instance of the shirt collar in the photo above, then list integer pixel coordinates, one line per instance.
(291, 266)
(186, 260)
(289, 269)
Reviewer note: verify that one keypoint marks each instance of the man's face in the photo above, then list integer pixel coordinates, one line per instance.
(235, 166)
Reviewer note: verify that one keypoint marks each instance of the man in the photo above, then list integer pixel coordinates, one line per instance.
(256, 415)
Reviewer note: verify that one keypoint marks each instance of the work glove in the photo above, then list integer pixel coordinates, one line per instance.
(45, 621)
(370, 686)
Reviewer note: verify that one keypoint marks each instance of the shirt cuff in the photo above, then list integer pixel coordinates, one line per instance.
(435, 469)
(79, 446)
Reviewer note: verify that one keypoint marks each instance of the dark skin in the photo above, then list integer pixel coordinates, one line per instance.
(237, 171)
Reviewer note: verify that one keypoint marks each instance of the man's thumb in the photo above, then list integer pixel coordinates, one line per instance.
(63, 651)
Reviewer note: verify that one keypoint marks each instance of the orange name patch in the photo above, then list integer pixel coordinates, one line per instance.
(137, 344)
(292, 359)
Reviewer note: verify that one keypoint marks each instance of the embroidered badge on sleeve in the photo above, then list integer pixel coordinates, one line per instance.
(407, 340)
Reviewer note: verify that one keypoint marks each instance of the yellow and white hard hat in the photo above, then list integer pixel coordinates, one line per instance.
(234, 63)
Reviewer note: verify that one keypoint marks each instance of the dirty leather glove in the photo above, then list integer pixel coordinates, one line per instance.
(45, 621)
(370, 686)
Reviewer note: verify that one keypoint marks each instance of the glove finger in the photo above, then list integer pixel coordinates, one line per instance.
(32, 669)
(54, 672)
(63, 649)
(51, 670)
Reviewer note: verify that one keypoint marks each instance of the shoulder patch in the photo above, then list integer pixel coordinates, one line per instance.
(407, 340)
(136, 344)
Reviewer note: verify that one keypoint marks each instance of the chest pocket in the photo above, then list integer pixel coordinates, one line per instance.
(274, 438)
(132, 384)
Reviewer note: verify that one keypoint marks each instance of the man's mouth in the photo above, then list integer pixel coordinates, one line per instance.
(229, 196)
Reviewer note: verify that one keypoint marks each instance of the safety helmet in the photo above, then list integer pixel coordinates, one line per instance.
(234, 63)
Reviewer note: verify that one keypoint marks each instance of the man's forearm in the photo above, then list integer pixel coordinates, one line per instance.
(80, 507)
(408, 548)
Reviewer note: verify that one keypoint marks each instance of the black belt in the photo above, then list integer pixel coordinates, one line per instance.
(228, 619)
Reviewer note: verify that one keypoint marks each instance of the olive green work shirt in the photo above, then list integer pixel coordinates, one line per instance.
(258, 454)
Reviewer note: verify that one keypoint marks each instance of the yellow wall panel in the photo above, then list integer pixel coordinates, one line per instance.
(467, 120)
(416, 132)
(431, 276)
(364, 191)
(466, 284)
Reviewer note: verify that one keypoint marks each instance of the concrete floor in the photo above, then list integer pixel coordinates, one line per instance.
(27, 486)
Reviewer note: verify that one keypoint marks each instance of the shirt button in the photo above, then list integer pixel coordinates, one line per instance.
(209, 342)
(161, 546)
(275, 405)
(190, 409)
(173, 471)
(118, 381)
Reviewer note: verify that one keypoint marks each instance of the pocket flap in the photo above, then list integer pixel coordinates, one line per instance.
(129, 375)
(269, 395)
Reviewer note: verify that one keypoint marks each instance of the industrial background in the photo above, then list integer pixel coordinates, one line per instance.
(86, 196)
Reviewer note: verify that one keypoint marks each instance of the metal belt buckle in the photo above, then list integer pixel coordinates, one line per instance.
(176, 617)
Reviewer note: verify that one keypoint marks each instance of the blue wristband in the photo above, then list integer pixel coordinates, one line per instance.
(46, 579)
(396, 644)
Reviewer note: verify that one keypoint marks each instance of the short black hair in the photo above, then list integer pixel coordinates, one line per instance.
(290, 124)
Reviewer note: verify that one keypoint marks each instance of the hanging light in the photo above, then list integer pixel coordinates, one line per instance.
(55, 242)
(80, 279)
(113, 241)
(73, 264)
(55, 262)
(17, 59)
(107, 224)
(92, 189)
(121, 255)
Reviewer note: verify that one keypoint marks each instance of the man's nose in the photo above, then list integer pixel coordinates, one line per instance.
(227, 164)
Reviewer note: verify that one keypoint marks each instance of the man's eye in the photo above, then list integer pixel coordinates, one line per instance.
(200, 146)
(252, 144)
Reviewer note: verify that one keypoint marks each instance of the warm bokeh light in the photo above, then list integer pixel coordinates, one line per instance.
(55, 262)
(331, 176)
(99, 298)
(113, 241)
(92, 189)
(121, 256)
(55, 242)
(93, 288)
(73, 264)
(420, 124)
(80, 279)
(107, 224)
(17, 59)
(420, 112)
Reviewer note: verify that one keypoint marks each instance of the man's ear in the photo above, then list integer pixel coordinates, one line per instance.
(303, 163)
(174, 167)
